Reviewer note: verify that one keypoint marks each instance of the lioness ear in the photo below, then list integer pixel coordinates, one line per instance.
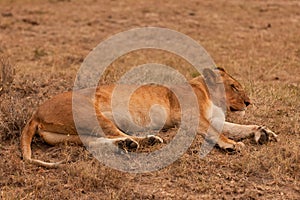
(209, 76)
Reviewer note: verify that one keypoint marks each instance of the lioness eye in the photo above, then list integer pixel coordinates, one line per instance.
(234, 88)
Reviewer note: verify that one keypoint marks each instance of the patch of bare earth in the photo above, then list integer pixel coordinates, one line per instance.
(256, 41)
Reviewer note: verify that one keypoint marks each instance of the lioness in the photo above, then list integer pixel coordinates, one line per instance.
(53, 120)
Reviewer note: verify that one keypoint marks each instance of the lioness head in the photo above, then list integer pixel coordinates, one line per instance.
(236, 98)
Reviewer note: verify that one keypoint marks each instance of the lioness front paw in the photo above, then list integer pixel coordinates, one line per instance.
(230, 145)
(237, 147)
(263, 135)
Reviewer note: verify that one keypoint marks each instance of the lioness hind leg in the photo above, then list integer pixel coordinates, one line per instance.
(124, 143)
(127, 143)
(121, 139)
(57, 138)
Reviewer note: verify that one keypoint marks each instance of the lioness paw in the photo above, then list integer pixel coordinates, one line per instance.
(237, 147)
(263, 135)
(230, 145)
(152, 140)
(127, 144)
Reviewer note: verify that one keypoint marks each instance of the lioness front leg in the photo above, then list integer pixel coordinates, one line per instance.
(212, 136)
(237, 132)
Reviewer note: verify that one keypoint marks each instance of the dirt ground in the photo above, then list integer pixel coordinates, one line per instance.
(258, 42)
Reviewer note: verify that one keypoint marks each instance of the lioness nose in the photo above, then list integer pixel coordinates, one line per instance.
(247, 103)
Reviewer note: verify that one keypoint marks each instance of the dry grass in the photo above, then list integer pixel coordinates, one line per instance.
(255, 41)
(7, 73)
